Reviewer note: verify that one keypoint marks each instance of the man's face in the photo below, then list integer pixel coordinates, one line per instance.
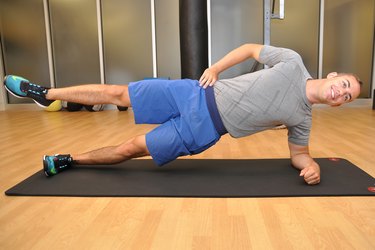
(340, 89)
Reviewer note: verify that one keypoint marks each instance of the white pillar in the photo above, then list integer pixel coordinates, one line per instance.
(153, 38)
(321, 39)
(49, 44)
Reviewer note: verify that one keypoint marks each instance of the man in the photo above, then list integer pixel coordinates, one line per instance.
(193, 115)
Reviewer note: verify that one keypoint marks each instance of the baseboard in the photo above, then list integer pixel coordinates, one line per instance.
(357, 103)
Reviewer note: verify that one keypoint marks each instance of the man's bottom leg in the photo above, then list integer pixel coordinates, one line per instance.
(133, 148)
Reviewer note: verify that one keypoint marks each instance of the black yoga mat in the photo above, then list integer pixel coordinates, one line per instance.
(200, 178)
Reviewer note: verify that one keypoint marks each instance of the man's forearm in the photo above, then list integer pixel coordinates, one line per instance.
(310, 170)
(238, 55)
(246, 51)
(301, 161)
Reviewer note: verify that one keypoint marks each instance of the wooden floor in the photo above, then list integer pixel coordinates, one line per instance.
(181, 223)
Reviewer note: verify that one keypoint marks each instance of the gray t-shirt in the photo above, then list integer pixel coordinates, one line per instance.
(264, 99)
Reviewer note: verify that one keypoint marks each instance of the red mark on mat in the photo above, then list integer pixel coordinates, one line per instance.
(334, 159)
(371, 189)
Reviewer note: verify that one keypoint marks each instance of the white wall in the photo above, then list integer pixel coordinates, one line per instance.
(373, 64)
(2, 99)
(2, 90)
(373, 71)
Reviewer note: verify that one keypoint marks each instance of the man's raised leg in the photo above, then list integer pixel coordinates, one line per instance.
(92, 94)
(85, 94)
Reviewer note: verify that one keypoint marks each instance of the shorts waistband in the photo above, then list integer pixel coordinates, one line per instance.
(214, 113)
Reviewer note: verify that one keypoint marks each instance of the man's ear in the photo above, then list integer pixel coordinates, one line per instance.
(331, 75)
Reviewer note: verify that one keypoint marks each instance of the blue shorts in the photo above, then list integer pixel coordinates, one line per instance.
(180, 107)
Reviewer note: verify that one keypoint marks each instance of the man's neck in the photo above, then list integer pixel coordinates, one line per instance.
(312, 90)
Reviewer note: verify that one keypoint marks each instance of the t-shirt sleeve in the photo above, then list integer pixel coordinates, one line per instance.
(300, 133)
(271, 56)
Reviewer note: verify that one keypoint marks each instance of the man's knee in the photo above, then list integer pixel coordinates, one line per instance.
(119, 95)
(135, 147)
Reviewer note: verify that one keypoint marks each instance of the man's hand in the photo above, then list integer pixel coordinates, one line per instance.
(311, 174)
(208, 78)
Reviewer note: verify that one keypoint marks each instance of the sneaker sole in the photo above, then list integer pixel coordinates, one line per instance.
(20, 96)
(45, 166)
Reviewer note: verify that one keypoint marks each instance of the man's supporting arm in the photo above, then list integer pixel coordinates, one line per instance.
(302, 160)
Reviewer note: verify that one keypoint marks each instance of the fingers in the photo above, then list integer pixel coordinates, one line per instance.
(208, 78)
(310, 175)
(207, 82)
(303, 171)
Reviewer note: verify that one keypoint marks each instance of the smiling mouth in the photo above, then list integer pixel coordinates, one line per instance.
(332, 93)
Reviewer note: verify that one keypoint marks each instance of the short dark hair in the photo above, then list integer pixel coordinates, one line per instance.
(353, 75)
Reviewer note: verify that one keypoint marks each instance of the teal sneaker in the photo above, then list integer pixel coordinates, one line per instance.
(22, 88)
(56, 163)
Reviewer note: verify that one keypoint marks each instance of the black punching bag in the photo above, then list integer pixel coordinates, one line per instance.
(193, 38)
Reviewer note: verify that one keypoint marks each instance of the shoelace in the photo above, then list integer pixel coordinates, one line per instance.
(62, 161)
(33, 88)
